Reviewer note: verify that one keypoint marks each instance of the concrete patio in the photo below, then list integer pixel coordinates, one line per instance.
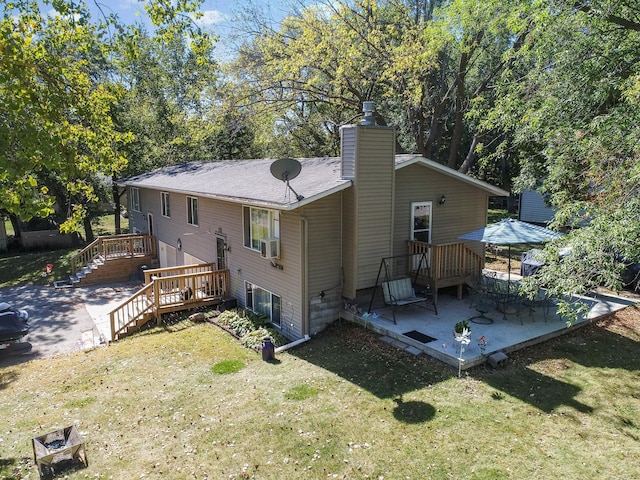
(510, 331)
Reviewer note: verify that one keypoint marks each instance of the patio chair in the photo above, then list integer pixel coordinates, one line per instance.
(481, 299)
(540, 302)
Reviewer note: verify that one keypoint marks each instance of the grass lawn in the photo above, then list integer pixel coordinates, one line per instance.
(18, 268)
(191, 403)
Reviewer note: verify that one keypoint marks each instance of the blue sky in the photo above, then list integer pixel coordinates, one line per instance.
(216, 12)
(218, 15)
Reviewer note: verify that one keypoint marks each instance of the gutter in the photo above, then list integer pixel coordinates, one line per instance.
(295, 343)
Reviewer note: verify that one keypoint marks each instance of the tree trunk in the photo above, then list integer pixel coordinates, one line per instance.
(471, 155)
(117, 209)
(458, 127)
(88, 229)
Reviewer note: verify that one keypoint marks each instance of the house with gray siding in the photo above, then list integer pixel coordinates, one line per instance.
(296, 249)
(534, 209)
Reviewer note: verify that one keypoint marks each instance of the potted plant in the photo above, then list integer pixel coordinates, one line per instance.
(460, 327)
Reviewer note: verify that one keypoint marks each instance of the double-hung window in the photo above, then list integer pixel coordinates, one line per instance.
(192, 211)
(263, 302)
(166, 211)
(259, 223)
(135, 199)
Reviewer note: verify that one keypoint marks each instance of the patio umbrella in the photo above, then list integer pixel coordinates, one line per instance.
(508, 232)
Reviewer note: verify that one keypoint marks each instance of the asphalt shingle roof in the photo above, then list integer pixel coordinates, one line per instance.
(250, 181)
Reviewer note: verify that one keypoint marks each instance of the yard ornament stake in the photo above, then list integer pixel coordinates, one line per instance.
(463, 338)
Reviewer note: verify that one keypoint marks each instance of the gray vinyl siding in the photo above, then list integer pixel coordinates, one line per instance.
(465, 209)
(533, 208)
(225, 218)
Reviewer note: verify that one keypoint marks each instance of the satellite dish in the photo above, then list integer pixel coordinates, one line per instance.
(286, 169)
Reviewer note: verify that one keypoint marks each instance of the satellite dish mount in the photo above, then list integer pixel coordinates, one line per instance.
(286, 169)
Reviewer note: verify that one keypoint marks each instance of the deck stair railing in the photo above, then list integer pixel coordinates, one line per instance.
(163, 293)
(450, 264)
(109, 247)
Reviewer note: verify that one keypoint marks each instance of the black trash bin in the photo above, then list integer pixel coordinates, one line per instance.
(141, 271)
(227, 304)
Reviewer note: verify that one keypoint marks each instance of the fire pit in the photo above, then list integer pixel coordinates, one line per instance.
(59, 450)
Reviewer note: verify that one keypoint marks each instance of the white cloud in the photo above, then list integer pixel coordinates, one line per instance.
(210, 17)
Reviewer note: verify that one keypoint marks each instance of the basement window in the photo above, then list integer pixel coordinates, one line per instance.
(263, 302)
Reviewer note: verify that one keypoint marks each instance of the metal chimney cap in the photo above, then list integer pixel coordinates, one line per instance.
(368, 108)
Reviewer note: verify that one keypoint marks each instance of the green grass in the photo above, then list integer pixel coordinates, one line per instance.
(344, 405)
(18, 268)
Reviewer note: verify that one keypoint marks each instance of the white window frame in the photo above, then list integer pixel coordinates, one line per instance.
(254, 230)
(165, 204)
(135, 199)
(192, 213)
(428, 229)
(271, 307)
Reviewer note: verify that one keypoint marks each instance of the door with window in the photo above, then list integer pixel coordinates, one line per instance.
(421, 221)
(221, 252)
(150, 224)
(421, 213)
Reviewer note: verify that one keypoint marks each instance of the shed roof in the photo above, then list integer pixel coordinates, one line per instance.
(251, 182)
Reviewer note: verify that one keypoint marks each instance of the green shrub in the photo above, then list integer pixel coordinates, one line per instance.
(254, 338)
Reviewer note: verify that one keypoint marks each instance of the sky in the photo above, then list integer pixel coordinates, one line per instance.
(218, 15)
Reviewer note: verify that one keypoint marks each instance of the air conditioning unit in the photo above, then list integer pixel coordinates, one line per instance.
(270, 248)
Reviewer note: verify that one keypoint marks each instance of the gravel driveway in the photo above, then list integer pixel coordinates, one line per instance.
(62, 320)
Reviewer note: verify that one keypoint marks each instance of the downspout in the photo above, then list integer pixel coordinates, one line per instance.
(295, 343)
(305, 276)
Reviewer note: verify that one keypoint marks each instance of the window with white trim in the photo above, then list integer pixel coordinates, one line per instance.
(259, 223)
(165, 207)
(421, 221)
(263, 302)
(135, 199)
(192, 211)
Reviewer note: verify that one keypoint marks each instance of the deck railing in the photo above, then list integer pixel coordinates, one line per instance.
(177, 270)
(167, 294)
(114, 246)
(450, 261)
(128, 313)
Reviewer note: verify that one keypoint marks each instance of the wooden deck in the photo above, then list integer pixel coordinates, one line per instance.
(451, 264)
(169, 290)
(112, 258)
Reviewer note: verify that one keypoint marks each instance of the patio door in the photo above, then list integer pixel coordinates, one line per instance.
(421, 213)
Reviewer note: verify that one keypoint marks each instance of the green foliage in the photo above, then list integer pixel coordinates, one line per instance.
(250, 327)
(574, 121)
(427, 65)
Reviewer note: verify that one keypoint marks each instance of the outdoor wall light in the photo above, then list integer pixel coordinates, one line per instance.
(442, 200)
(179, 244)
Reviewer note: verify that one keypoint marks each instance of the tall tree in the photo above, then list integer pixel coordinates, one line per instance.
(55, 115)
(429, 66)
(575, 121)
(60, 86)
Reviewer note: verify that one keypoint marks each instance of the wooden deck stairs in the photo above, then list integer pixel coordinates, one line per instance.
(110, 259)
(169, 290)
